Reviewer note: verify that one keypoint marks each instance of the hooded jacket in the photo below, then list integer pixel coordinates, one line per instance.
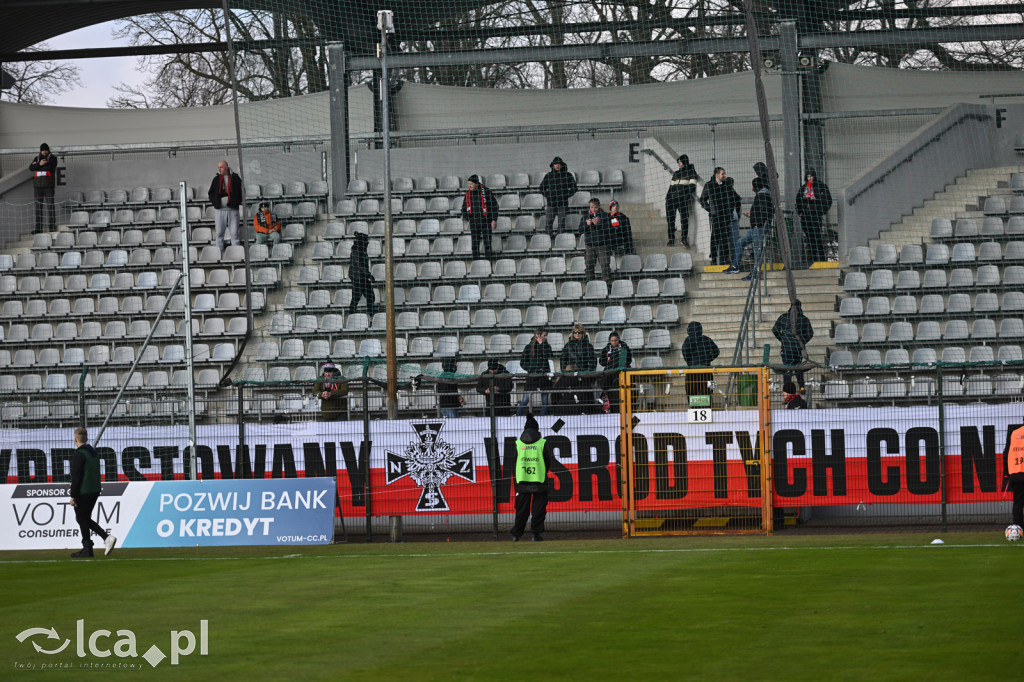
(791, 345)
(683, 185)
(717, 199)
(816, 207)
(763, 209)
(698, 350)
(266, 221)
(359, 260)
(558, 186)
(502, 395)
(85, 471)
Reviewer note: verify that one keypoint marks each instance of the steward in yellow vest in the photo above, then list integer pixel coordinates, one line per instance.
(533, 462)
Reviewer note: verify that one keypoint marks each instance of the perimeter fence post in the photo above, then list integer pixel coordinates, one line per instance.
(942, 446)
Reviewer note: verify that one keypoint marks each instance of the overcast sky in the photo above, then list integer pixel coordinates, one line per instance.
(99, 76)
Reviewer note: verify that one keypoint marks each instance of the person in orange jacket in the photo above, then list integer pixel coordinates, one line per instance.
(266, 225)
(1013, 472)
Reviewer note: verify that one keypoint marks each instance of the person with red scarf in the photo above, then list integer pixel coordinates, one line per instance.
(793, 400)
(225, 195)
(480, 208)
(812, 203)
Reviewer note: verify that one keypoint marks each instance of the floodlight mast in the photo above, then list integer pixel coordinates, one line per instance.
(386, 24)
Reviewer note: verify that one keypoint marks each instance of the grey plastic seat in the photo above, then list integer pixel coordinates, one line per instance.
(841, 358)
(873, 332)
(901, 332)
(1009, 354)
(981, 354)
(846, 334)
(881, 280)
(851, 307)
(963, 253)
(955, 330)
(990, 251)
(911, 254)
(983, 329)
(966, 228)
(885, 254)
(937, 254)
(929, 330)
(986, 302)
(909, 280)
(836, 389)
(876, 306)
(904, 305)
(958, 304)
(924, 356)
(855, 282)
(1011, 328)
(953, 355)
(897, 356)
(961, 278)
(941, 228)
(994, 206)
(859, 256)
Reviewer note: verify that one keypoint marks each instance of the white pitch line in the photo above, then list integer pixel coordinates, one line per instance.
(526, 553)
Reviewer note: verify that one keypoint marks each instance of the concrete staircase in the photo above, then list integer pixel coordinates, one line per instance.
(962, 199)
(716, 300)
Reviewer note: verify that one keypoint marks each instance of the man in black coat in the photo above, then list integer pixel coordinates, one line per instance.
(44, 180)
(698, 351)
(762, 212)
(793, 344)
(85, 491)
(225, 196)
(813, 201)
(495, 385)
(558, 186)
(480, 208)
(717, 201)
(359, 273)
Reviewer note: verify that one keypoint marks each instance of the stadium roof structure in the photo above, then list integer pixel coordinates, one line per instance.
(27, 22)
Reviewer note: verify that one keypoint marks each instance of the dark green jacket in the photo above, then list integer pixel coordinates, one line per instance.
(85, 471)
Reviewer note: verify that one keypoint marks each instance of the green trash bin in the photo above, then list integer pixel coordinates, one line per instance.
(748, 390)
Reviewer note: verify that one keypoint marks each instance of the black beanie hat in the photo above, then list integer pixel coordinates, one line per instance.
(44, 147)
(474, 178)
(531, 424)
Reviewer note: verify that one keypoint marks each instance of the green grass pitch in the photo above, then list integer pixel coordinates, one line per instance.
(861, 607)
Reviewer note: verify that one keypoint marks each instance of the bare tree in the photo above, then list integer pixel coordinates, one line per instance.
(203, 79)
(40, 82)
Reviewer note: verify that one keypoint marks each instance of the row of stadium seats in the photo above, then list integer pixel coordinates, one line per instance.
(357, 324)
(497, 182)
(101, 355)
(929, 331)
(303, 212)
(67, 333)
(472, 295)
(986, 277)
(106, 240)
(30, 286)
(163, 196)
(933, 305)
(896, 389)
(508, 204)
(923, 357)
(500, 345)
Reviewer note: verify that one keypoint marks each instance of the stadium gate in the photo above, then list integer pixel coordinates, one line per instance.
(680, 482)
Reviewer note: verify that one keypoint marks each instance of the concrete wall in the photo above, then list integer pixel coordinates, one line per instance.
(960, 139)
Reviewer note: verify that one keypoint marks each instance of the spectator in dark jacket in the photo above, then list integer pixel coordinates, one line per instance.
(735, 206)
(531, 476)
(813, 201)
(85, 490)
(535, 361)
(480, 208)
(762, 212)
(596, 228)
(614, 357)
(717, 201)
(359, 273)
(495, 384)
(698, 351)
(448, 398)
(793, 345)
(578, 357)
(621, 231)
(682, 190)
(558, 186)
(44, 180)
